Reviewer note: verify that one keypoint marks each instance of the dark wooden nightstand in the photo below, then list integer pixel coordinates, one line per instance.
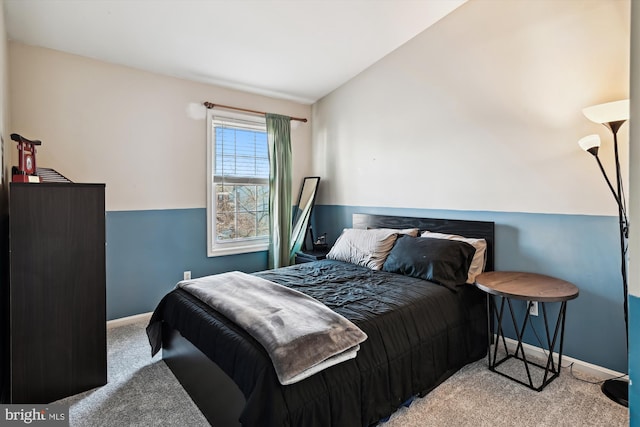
(512, 285)
(311, 255)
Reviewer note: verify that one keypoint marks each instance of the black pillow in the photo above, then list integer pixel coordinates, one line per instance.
(442, 261)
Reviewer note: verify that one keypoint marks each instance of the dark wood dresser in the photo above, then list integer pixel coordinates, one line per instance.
(57, 286)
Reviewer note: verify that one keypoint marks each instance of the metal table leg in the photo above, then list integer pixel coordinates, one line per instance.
(558, 332)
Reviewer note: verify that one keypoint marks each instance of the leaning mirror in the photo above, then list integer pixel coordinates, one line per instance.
(302, 213)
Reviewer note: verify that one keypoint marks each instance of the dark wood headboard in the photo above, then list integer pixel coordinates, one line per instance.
(474, 229)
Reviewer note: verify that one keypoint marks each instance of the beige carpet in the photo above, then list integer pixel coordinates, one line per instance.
(475, 396)
(142, 391)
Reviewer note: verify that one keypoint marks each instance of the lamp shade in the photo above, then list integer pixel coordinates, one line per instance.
(609, 112)
(590, 143)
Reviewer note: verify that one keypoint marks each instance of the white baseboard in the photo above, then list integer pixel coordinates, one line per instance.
(579, 366)
(128, 320)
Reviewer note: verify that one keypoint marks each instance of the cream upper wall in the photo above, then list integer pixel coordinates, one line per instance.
(133, 130)
(5, 146)
(482, 111)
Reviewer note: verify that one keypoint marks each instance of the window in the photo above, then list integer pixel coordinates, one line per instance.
(238, 184)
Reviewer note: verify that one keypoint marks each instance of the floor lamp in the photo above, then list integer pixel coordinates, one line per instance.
(613, 115)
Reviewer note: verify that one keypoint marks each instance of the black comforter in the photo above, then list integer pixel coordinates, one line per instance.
(419, 333)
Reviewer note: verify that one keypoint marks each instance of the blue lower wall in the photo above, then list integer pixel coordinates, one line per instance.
(148, 251)
(634, 360)
(582, 249)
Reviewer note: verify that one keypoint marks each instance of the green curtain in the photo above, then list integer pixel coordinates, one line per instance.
(280, 178)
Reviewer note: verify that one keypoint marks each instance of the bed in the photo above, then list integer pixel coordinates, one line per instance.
(419, 334)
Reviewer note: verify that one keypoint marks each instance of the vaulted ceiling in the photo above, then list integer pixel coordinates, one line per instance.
(298, 50)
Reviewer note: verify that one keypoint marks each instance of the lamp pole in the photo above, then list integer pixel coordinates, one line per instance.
(618, 389)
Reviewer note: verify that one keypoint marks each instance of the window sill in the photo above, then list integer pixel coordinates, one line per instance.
(235, 249)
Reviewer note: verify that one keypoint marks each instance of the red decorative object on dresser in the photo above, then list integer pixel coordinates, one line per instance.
(26, 170)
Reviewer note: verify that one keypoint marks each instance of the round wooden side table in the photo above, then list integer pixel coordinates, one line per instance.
(506, 286)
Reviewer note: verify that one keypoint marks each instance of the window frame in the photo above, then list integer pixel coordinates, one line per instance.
(245, 245)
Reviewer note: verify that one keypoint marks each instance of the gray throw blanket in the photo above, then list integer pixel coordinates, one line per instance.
(301, 335)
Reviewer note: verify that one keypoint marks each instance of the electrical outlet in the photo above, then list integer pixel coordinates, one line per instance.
(533, 308)
(187, 275)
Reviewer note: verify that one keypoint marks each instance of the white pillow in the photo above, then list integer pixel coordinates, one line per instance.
(479, 259)
(368, 248)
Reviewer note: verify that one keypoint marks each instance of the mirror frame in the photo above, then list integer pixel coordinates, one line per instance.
(302, 216)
